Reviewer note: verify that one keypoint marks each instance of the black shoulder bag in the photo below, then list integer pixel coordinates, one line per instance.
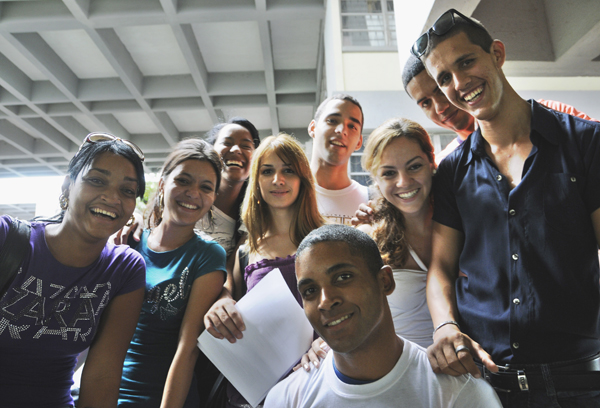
(13, 252)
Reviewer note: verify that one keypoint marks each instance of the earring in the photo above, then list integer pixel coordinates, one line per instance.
(63, 201)
(434, 172)
(161, 201)
(211, 215)
(130, 221)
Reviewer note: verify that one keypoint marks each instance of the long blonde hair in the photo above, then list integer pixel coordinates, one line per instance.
(389, 233)
(255, 212)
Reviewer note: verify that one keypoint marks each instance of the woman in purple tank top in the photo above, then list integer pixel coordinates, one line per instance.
(279, 210)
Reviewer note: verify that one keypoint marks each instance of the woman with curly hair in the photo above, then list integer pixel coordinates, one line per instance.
(399, 155)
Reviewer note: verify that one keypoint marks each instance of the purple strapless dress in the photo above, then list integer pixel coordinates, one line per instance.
(256, 271)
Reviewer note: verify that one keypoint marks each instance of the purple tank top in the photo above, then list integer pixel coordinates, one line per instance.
(258, 270)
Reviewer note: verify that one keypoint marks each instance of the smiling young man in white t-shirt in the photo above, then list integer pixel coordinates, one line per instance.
(344, 287)
(337, 133)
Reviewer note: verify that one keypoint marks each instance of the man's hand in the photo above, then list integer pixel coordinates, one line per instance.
(317, 351)
(223, 320)
(444, 358)
(121, 236)
(364, 214)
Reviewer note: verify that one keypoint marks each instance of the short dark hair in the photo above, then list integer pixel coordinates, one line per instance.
(412, 68)
(212, 135)
(357, 241)
(474, 30)
(341, 97)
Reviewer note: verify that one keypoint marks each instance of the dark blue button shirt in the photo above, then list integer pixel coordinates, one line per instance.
(531, 294)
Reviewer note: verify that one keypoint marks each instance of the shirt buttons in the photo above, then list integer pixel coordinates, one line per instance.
(499, 177)
(515, 256)
(515, 345)
(573, 179)
(516, 301)
(512, 212)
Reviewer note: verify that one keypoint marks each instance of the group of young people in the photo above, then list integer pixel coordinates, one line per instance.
(496, 255)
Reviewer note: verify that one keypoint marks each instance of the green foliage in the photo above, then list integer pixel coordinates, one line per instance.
(151, 187)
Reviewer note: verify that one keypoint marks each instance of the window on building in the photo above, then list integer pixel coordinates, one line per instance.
(355, 168)
(368, 25)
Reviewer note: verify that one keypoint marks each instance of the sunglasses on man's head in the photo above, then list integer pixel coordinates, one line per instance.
(441, 26)
(96, 137)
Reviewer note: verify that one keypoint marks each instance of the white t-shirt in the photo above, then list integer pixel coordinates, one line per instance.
(339, 206)
(408, 304)
(411, 384)
(221, 231)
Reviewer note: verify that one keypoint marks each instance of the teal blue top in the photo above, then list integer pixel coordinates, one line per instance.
(169, 279)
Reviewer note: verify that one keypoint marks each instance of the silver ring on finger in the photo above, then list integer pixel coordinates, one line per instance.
(462, 348)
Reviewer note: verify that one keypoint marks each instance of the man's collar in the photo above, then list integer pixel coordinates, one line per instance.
(477, 147)
(543, 124)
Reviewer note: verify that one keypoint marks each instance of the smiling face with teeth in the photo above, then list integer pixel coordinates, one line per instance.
(102, 198)
(336, 133)
(189, 192)
(343, 300)
(404, 176)
(235, 146)
(470, 77)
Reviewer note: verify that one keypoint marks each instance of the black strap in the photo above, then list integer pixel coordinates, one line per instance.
(13, 252)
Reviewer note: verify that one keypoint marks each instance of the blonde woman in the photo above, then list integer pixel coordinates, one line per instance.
(279, 210)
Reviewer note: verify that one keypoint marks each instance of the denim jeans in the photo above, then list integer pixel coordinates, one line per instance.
(549, 398)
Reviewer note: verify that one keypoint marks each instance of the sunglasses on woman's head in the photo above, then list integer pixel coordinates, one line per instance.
(96, 137)
(441, 26)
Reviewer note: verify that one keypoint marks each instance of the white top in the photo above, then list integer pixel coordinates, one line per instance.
(411, 383)
(222, 230)
(339, 206)
(408, 304)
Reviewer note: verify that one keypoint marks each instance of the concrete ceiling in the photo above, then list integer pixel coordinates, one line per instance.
(548, 38)
(151, 71)
(157, 71)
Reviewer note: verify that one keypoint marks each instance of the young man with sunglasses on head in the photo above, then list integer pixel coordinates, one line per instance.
(426, 93)
(517, 210)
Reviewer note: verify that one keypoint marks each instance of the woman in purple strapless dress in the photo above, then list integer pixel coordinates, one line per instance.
(279, 210)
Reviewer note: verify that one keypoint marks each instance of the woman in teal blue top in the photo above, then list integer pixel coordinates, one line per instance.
(184, 276)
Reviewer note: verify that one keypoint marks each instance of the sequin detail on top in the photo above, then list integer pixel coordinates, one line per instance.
(171, 293)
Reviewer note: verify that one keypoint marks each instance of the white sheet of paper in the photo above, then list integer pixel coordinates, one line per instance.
(277, 334)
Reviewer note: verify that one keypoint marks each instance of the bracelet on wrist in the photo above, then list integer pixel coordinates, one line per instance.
(442, 324)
